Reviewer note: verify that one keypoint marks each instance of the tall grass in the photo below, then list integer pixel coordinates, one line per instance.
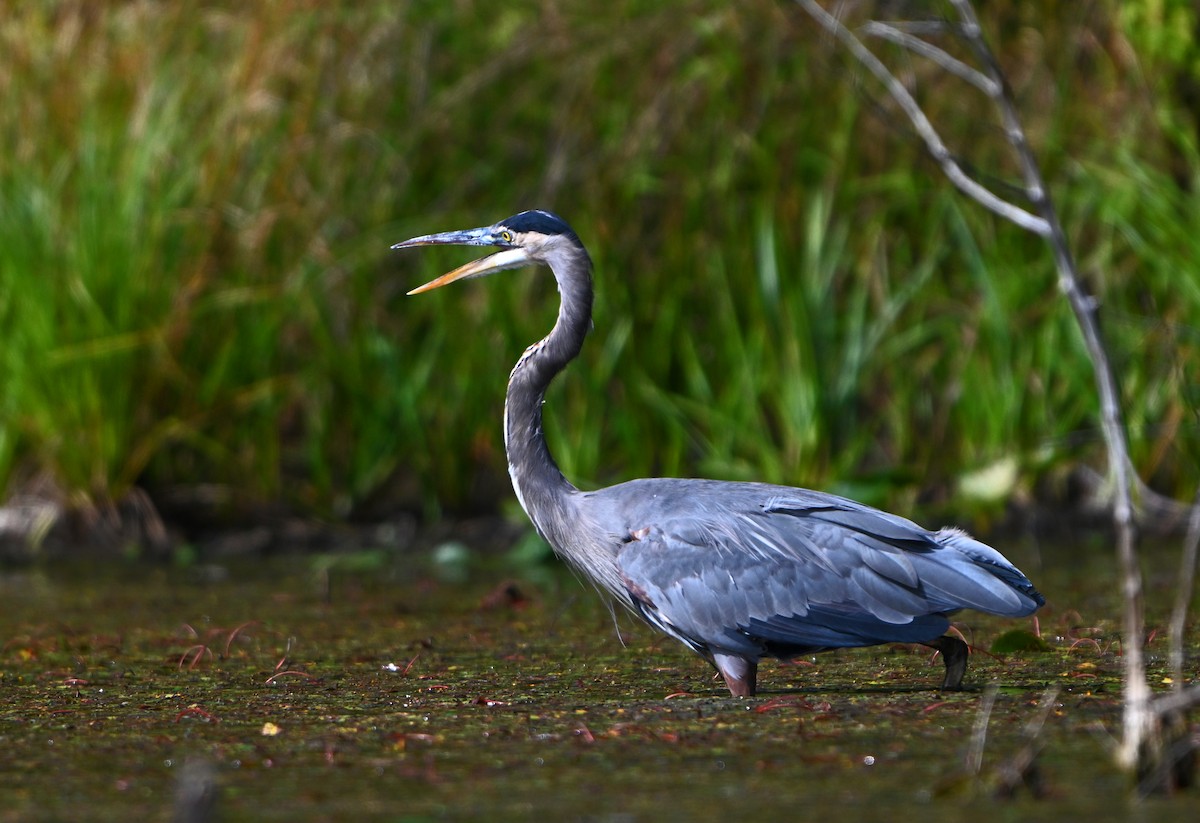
(195, 288)
(86, 240)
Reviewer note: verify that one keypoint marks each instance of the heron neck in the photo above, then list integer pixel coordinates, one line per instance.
(541, 488)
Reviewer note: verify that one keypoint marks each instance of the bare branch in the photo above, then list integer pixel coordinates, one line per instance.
(946, 61)
(925, 130)
(979, 734)
(1177, 701)
(1183, 595)
(921, 28)
(1140, 720)
(1020, 768)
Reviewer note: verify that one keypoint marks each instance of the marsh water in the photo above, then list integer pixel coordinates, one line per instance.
(371, 685)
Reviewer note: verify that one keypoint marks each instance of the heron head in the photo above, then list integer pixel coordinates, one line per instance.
(525, 239)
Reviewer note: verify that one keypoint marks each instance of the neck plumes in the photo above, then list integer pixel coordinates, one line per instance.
(541, 488)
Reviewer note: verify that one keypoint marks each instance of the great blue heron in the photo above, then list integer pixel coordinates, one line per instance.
(735, 571)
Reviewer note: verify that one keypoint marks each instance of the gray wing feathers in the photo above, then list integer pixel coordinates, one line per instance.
(893, 565)
(817, 576)
(955, 570)
(1008, 576)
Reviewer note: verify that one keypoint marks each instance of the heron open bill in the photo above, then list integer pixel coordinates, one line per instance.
(735, 571)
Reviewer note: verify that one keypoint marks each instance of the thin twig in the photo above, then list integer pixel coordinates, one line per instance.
(922, 28)
(1183, 595)
(1021, 768)
(1033, 728)
(979, 734)
(1177, 700)
(944, 60)
(925, 130)
(1139, 719)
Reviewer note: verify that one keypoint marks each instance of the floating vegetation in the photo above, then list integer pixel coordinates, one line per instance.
(384, 692)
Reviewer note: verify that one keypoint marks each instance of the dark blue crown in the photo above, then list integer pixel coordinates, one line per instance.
(542, 222)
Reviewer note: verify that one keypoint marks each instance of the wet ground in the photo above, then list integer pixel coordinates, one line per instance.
(377, 686)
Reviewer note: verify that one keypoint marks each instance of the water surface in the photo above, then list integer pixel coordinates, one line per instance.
(388, 689)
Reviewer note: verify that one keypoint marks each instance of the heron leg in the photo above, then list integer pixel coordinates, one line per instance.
(741, 675)
(954, 655)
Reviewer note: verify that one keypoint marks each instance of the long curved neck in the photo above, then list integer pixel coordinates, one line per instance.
(541, 488)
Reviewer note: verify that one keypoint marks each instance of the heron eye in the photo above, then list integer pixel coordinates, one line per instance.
(506, 236)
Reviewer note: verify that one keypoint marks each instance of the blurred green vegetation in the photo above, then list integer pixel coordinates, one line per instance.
(196, 204)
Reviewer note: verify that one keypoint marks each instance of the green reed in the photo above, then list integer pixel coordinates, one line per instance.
(195, 284)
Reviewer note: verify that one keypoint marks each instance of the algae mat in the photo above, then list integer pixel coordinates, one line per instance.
(383, 691)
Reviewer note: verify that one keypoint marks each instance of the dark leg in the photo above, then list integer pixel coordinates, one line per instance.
(741, 675)
(954, 655)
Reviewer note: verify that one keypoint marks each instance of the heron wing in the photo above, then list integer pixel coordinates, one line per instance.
(792, 575)
(952, 570)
